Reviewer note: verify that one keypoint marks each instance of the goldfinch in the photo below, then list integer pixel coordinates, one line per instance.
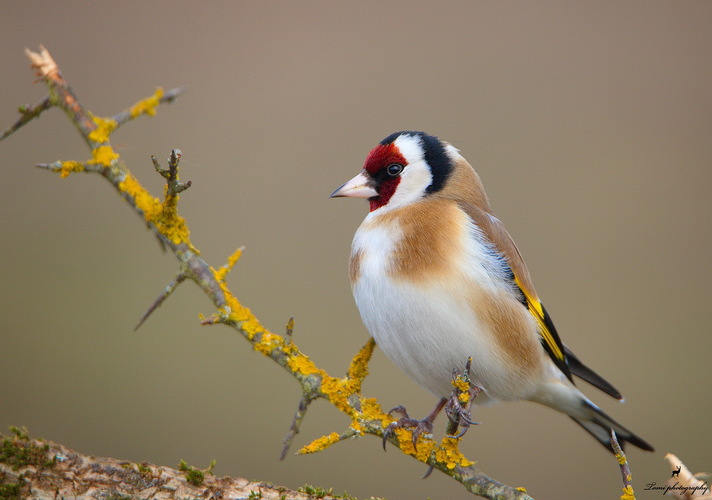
(437, 280)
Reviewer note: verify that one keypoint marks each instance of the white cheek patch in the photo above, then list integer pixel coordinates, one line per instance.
(416, 177)
(410, 147)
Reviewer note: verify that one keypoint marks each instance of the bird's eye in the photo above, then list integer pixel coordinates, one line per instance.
(394, 169)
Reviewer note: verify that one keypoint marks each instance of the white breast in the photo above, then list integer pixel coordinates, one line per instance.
(430, 328)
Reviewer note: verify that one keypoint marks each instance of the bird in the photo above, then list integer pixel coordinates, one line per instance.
(437, 279)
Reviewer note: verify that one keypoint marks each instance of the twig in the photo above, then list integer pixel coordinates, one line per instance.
(149, 108)
(60, 94)
(180, 278)
(294, 428)
(171, 175)
(27, 114)
(628, 493)
(162, 218)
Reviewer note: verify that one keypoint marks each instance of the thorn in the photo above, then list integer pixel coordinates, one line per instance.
(54, 167)
(212, 320)
(162, 297)
(172, 94)
(182, 186)
(290, 330)
(164, 173)
(27, 113)
(296, 422)
(174, 159)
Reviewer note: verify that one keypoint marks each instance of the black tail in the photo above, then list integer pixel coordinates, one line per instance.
(585, 373)
(599, 425)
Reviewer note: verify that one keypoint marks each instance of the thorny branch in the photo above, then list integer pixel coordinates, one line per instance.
(170, 228)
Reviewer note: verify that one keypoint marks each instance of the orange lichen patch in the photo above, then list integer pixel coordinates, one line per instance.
(320, 444)
(104, 155)
(147, 106)
(449, 454)
(104, 128)
(70, 166)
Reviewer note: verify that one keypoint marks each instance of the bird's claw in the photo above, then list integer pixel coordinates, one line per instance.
(418, 427)
(459, 415)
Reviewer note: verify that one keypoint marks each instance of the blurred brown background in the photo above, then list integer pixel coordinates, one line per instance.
(590, 124)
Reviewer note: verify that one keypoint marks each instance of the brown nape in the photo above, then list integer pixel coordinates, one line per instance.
(464, 186)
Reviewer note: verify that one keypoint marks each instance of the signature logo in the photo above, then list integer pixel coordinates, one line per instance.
(689, 491)
(676, 472)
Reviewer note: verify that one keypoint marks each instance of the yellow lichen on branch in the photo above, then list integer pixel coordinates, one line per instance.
(299, 363)
(320, 444)
(69, 167)
(462, 386)
(164, 216)
(221, 274)
(366, 415)
(372, 411)
(103, 155)
(268, 343)
(147, 106)
(449, 453)
(145, 202)
(233, 312)
(104, 128)
(170, 224)
(358, 369)
(628, 493)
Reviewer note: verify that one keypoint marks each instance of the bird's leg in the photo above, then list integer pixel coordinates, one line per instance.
(419, 427)
(459, 414)
(458, 404)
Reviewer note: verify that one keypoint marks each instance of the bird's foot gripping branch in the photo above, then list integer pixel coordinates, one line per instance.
(162, 217)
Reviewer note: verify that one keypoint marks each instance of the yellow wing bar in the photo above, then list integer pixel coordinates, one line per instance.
(552, 343)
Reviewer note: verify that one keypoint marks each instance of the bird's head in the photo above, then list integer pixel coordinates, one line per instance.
(402, 169)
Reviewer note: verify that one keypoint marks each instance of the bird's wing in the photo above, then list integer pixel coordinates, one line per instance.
(561, 355)
(494, 231)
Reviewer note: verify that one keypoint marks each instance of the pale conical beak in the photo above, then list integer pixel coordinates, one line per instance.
(360, 186)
